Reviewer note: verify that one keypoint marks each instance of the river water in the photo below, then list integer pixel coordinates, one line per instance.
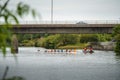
(32, 64)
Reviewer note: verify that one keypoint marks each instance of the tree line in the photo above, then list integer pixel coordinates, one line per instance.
(58, 40)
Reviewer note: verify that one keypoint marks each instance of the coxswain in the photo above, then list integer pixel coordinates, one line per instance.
(91, 50)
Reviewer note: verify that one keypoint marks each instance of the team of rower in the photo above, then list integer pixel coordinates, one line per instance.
(60, 51)
(69, 51)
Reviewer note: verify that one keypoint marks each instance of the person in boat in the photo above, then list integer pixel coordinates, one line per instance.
(91, 50)
(85, 50)
(88, 50)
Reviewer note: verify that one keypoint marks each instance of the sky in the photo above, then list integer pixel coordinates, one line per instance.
(70, 10)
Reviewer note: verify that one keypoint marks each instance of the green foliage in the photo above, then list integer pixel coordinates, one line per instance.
(88, 38)
(104, 37)
(55, 41)
(61, 40)
(108, 37)
(7, 15)
(52, 41)
(116, 30)
(116, 34)
(75, 46)
(28, 43)
(29, 39)
(95, 38)
(4, 36)
(117, 48)
(23, 9)
(69, 39)
(22, 37)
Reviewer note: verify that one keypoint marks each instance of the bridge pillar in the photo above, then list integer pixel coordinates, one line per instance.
(14, 44)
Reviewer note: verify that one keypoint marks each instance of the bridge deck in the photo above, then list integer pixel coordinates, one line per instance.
(64, 25)
(63, 28)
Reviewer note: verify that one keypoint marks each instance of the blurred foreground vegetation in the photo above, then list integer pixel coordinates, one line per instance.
(9, 16)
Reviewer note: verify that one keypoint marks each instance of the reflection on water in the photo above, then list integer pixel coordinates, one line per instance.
(11, 78)
(15, 78)
(118, 59)
(39, 65)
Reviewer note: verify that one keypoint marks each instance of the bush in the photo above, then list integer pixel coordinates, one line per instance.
(28, 43)
(69, 39)
(116, 34)
(55, 41)
(117, 48)
(104, 37)
(85, 38)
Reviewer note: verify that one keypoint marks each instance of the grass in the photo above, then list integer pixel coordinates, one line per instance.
(76, 46)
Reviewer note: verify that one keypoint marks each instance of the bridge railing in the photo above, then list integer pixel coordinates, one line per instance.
(69, 22)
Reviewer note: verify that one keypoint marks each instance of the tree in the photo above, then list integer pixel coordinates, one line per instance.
(69, 39)
(116, 34)
(57, 40)
(6, 15)
(88, 38)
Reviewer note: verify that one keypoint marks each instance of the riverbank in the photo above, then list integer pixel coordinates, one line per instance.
(105, 46)
(76, 46)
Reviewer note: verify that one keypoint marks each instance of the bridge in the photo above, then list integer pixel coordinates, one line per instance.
(68, 27)
(64, 28)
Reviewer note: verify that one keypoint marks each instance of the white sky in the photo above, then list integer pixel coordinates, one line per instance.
(75, 9)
